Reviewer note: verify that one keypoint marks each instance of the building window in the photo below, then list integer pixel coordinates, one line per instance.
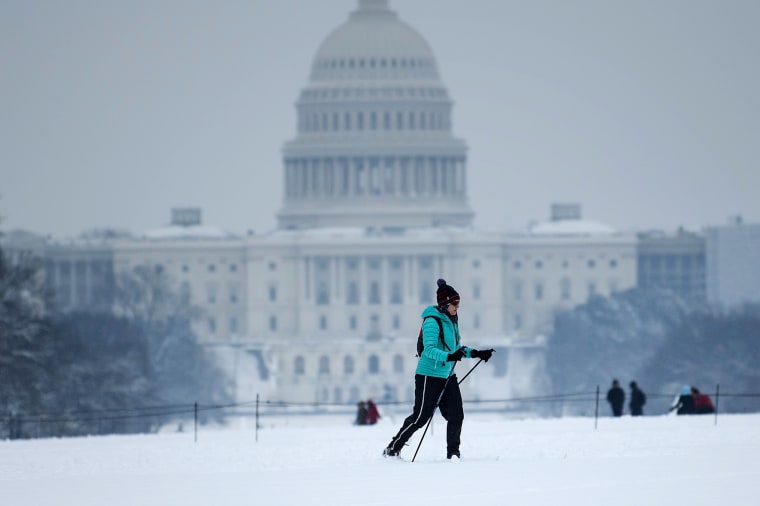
(272, 293)
(272, 266)
(324, 365)
(517, 289)
(396, 297)
(565, 289)
(539, 264)
(299, 365)
(476, 321)
(539, 289)
(323, 322)
(352, 322)
(185, 268)
(373, 364)
(233, 296)
(212, 325)
(613, 263)
(211, 268)
(396, 322)
(476, 291)
(184, 291)
(323, 295)
(374, 293)
(233, 325)
(591, 289)
(591, 264)
(398, 363)
(517, 265)
(352, 295)
(233, 267)
(518, 323)
(348, 364)
(272, 323)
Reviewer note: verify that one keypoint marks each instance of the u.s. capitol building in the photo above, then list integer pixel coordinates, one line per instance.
(326, 307)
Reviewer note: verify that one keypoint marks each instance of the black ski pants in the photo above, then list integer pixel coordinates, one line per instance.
(427, 390)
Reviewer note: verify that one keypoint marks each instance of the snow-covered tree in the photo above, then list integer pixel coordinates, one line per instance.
(24, 334)
(185, 373)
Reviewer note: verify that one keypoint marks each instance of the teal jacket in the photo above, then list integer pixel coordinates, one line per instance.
(433, 360)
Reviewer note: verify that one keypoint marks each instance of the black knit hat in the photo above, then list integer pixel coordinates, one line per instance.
(446, 293)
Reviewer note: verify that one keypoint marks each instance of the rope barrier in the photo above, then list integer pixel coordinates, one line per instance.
(176, 410)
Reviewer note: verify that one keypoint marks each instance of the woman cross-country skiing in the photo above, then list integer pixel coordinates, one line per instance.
(434, 378)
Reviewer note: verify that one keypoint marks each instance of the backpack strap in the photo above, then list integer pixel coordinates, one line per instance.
(440, 331)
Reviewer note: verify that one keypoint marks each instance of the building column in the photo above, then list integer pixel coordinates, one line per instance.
(337, 275)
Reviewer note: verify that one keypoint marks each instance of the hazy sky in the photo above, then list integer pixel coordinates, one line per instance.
(112, 112)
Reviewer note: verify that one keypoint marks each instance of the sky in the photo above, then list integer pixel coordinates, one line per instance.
(657, 460)
(112, 113)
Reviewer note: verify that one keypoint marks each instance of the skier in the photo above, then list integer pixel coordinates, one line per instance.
(684, 404)
(434, 381)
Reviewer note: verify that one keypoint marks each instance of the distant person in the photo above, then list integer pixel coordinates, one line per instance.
(638, 399)
(361, 413)
(616, 398)
(703, 405)
(373, 414)
(684, 404)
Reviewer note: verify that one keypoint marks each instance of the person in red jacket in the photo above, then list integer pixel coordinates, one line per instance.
(702, 403)
(373, 414)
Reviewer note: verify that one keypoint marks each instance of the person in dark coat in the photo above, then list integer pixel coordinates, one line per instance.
(361, 413)
(702, 403)
(638, 399)
(685, 402)
(616, 398)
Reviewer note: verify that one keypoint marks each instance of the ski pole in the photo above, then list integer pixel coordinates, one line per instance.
(440, 396)
(468, 372)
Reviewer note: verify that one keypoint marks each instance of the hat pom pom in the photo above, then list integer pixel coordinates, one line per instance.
(441, 282)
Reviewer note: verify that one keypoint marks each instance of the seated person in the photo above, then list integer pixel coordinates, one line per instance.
(702, 403)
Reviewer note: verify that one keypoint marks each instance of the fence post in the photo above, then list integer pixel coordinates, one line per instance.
(195, 430)
(596, 410)
(257, 417)
(717, 401)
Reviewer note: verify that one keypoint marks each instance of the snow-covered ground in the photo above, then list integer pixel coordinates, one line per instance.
(665, 460)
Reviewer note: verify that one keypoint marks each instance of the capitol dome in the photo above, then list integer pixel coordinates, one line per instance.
(374, 145)
(374, 44)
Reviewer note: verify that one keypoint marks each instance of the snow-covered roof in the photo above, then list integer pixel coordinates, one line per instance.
(187, 232)
(571, 227)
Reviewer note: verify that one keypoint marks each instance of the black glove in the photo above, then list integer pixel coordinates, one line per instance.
(456, 356)
(482, 354)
